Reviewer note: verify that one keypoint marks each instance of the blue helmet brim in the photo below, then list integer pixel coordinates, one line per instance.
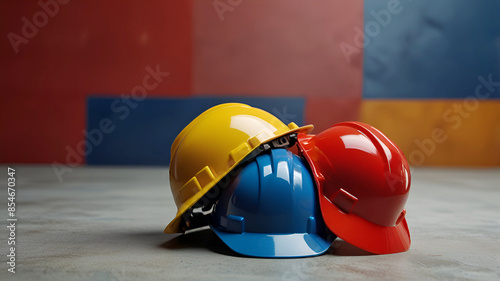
(274, 245)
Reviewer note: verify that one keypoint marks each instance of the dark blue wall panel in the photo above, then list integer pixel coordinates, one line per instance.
(141, 132)
(430, 49)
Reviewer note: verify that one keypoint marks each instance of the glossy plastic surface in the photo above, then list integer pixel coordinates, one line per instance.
(271, 209)
(212, 145)
(363, 182)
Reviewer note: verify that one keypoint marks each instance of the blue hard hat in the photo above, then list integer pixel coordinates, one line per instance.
(271, 210)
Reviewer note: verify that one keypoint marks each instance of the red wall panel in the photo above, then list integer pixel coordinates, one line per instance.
(242, 48)
(76, 49)
(280, 48)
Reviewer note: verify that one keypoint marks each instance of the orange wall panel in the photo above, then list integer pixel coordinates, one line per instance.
(440, 132)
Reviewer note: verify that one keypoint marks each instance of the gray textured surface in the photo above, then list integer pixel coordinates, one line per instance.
(107, 224)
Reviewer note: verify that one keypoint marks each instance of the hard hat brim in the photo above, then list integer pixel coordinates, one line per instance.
(173, 226)
(363, 234)
(267, 245)
(352, 228)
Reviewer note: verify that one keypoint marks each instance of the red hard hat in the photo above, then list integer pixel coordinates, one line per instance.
(363, 182)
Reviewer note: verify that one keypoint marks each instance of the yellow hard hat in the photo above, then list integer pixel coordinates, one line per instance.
(213, 144)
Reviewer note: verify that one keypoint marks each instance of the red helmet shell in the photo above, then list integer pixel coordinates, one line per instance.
(363, 182)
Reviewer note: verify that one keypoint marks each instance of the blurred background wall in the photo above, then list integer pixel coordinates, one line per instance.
(113, 82)
(431, 79)
(86, 48)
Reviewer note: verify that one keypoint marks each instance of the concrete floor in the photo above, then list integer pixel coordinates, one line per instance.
(107, 224)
